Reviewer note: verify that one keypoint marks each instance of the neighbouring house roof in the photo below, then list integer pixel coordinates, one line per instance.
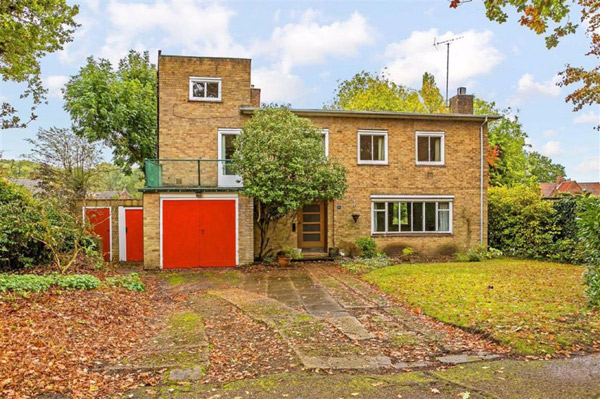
(562, 186)
(379, 114)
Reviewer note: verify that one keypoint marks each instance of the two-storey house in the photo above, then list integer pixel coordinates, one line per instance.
(415, 180)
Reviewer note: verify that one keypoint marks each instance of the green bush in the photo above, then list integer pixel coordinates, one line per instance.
(368, 246)
(588, 232)
(477, 254)
(130, 282)
(408, 251)
(291, 252)
(365, 265)
(34, 232)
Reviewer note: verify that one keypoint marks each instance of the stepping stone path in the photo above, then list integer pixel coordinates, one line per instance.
(290, 323)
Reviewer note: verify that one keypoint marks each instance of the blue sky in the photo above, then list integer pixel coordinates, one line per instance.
(301, 48)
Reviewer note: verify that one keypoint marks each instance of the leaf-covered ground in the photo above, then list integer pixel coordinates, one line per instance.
(536, 308)
(54, 344)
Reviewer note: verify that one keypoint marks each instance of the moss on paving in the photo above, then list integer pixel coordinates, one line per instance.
(533, 307)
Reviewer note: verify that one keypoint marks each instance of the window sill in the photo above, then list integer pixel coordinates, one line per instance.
(373, 163)
(201, 100)
(430, 164)
(415, 234)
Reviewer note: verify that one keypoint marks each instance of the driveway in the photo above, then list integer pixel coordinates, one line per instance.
(269, 332)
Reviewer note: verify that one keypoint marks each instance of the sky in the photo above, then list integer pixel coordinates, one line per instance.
(301, 49)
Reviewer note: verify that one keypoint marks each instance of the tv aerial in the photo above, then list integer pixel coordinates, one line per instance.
(448, 42)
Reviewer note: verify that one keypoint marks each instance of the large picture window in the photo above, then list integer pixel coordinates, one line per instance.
(205, 89)
(372, 147)
(412, 215)
(429, 148)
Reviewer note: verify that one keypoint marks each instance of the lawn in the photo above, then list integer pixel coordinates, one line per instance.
(536, 308)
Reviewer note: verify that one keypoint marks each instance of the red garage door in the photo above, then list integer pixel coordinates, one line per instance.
(198, 233)
(134, 235)
(99, 218)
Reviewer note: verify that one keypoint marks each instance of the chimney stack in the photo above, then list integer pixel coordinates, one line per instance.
(462, 103)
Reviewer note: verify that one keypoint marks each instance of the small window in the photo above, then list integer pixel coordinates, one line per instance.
(429, 148)
(372, 146)
(205, 89)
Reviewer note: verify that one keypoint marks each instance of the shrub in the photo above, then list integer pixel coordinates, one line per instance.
(368, 246)
(588, 232)
(349, 249)
(290, 252)
(408, 251)
(477, 254)
(131, 282)
(365, 265)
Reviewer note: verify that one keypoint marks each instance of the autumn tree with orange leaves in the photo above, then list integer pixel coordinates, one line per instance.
(553, 17)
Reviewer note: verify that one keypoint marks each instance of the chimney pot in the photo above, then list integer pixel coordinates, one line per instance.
(461, 91)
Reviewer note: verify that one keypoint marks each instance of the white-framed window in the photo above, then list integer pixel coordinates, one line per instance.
(429, 148)
(205, 89)
(411, 214)
(372, 147)
(325, 133)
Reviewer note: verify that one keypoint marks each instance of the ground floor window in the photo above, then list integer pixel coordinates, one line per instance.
(411, 215)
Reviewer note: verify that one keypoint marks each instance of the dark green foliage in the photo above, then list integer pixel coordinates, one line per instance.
(77, 281)
(34, 232)
(588, 224)
(368, 246)
(130, 282)
(522, 224)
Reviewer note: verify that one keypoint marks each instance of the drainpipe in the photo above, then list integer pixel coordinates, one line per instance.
(481, 181)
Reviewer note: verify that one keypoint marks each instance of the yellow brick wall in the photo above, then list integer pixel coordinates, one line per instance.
(151, 231)
(401, 176)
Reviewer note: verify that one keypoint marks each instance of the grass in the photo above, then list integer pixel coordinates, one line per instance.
(533, 307)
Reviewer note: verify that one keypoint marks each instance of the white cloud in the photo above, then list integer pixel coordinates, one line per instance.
(552, 148)
(587, 117)
(550, 133)
(588, 165)
(54, 84)
(197, 26)
(471, 56)
(528, 88)
(278, 85)
(307, 42)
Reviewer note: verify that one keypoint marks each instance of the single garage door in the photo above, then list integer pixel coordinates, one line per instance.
(198, 233)
(134, 235)
(99, 219)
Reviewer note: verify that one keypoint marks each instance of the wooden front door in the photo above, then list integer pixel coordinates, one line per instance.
(311, 226)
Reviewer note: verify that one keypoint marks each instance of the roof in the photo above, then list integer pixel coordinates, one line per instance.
(30, 184)
(562, 186)
(379, 114)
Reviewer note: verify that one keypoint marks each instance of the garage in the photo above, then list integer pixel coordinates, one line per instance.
(131, 234)
(99, 219)
(198, 232)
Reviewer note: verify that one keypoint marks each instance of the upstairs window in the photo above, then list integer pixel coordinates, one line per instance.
(429, 148)
(205, 89)
(372, 147)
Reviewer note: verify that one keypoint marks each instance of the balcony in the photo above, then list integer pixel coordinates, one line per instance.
(190, 175)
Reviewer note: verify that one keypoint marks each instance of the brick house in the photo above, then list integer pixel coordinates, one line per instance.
(417, 180)
(563, 186)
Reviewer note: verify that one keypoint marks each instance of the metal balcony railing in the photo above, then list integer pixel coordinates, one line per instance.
(190, 174)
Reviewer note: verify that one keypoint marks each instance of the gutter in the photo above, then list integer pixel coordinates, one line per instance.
(481, 181)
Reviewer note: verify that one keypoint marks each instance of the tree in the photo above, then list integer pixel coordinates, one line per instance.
(539, 16)
(281, 160)
(30, 29)
(377, 92)
(510, 161)
(111, 178)
(541, 168)
(66, 162)
(117, 107)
